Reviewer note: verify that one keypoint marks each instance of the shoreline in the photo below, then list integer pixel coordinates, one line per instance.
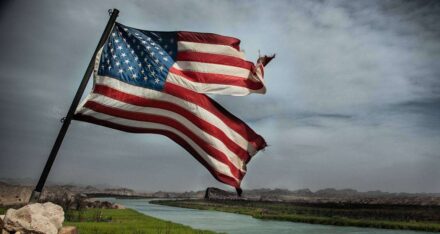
(127, 221)
(314, 214)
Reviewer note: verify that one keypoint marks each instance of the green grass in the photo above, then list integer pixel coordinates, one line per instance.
(410, 218)
(126, 221)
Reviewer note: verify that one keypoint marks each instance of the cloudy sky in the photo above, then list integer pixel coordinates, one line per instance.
(353, 96)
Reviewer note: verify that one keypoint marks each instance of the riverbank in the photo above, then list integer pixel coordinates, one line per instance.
(122, 221)
(418, 218)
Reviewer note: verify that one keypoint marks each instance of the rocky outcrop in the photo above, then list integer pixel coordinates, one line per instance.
(216, 193)
(35, 218)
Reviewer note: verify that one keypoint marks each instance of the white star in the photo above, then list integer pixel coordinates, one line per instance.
(160, 39)
(111, 50)
(156, 60)
(145, 59)
(137, 34)
(149, 65)
(152, 53)
(118, 63)
(126, 61)
(148, 39)
(123, 55)
(114, 34)
(165, 58)
(116, 40)
(152, 43)
(142, 71)
(125, 29)
(119, 47)
(114, 56)
(161, 68)
(109, 67)
(132, 51)
(128, 46)
(153, 73)
(160, 52)
(136, 58)
(143, 42)
(124, 39)
(145, 78)
(134, 76)
(140, 64)
(121, 71)
(130, 68)
(165, 46)
(156, 80)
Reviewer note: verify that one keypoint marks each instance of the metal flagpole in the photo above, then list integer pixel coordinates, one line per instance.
(66, 120)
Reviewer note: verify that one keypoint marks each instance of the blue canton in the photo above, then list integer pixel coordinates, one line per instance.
(138, 57)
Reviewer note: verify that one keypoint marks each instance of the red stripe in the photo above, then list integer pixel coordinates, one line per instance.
(212, 78)
(209, 38)
(219, 176)
(209, 149)
(201, 123)
(214, 59)
(207, 103)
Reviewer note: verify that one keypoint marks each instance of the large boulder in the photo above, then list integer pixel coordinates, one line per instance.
(37, 218)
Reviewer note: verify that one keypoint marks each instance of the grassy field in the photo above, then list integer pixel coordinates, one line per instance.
(377, 216)
(126, 221)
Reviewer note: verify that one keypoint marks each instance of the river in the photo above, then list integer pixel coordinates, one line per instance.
(240, 224)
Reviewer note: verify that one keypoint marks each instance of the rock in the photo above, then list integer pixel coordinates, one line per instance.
(216, 193)
(68, 230)
(44, 218)
(1, 221)
(118, 206)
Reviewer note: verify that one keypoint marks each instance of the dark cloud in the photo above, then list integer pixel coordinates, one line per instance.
(353, 95)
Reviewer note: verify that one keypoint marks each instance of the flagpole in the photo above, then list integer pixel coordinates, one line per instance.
(66, 120)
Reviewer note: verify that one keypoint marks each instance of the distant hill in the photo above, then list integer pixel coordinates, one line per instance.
(329, 195)
(13, 192)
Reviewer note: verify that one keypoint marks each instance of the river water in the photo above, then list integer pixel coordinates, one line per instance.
(240, 224)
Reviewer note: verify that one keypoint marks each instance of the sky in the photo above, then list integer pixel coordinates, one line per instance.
(353, 96)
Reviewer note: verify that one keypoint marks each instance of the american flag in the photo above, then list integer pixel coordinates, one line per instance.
(154, 82)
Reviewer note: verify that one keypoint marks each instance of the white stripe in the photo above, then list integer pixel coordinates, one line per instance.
(222, 89)
(209, 139)
(212, 68)
(209, 48)
(214, 163)
(193, 108)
